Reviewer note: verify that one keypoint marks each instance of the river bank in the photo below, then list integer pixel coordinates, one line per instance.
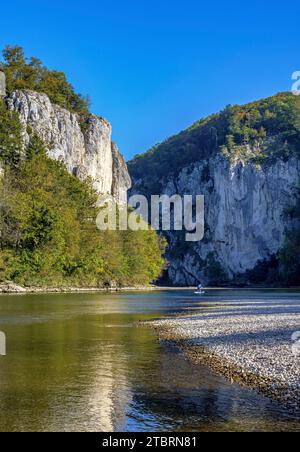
(12, 288)
(247, 342)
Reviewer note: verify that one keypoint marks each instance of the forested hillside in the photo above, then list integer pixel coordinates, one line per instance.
(48, 233)
(259, 132)
(246, 161)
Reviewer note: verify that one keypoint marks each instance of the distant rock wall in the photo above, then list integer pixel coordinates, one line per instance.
(244, 216)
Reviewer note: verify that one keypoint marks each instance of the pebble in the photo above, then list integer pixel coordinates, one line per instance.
(248, 341)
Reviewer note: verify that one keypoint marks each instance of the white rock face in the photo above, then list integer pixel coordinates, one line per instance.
(244, 215)
(121, 176)
(85, 154)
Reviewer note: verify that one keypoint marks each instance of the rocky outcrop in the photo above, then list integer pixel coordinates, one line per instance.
(244, 217)
(10, 287)
(84, 145)
(2, 84)
(121, 176)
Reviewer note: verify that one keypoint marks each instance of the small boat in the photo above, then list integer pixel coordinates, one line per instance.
(200, 292)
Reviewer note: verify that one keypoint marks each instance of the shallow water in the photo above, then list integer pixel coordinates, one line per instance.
(81, 363)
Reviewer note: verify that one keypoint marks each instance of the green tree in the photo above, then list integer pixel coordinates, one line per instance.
(30, 73)
(11, 147)
(48, 232)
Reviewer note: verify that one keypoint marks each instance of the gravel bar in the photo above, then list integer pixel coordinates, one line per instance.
(249, 342)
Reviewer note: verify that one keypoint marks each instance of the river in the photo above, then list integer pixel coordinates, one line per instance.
(81, 362)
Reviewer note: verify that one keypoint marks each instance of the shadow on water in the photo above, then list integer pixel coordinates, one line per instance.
(80, 363)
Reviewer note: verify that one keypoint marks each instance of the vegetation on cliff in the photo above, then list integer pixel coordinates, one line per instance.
(48, 233)
(11, 147)
(30, 73)
(259, 132)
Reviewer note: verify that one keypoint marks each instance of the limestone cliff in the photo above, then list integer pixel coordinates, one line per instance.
(84, 146)
(121, 176)
(244, 216)
(247, 189)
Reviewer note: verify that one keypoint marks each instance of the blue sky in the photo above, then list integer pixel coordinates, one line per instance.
(152, 68)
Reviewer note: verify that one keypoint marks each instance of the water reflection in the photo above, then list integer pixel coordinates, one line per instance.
(79, 363)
